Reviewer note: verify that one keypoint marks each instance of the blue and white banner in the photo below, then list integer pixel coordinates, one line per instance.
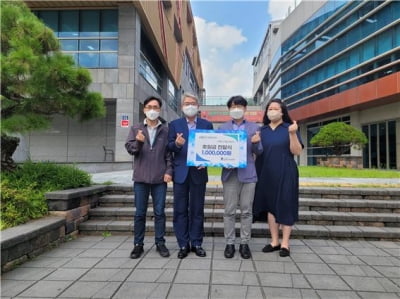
(218, 148)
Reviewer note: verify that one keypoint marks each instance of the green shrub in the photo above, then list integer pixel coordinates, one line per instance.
(22, 191)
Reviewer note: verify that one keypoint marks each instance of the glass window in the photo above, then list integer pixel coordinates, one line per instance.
(89, 45)
(50, 18)
(109, 23)
(369, 50)
(90, 60)
(90, 23)
(384, 42)
(108, 45)
(69, 44)
(108, 60)
(69, 23)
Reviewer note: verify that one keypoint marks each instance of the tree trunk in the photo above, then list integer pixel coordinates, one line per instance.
(8, 146)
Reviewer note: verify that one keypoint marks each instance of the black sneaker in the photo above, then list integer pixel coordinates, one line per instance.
(162, 250)
(137, 251)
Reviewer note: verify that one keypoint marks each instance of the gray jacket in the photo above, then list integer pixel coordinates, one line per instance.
(248, 174)
(150, 162)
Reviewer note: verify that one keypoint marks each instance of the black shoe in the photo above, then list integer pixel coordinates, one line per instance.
(199, 251)
(284, 252)
(183, 252)
(137, 251)
(245, 251)
(162, 250)
(270, 248)
(229, 251)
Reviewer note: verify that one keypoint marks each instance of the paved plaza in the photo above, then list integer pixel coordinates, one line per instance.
(100, 267)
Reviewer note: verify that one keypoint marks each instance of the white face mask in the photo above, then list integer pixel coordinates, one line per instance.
(236, 113)
(152, 114)
(274, 115)
(190, 110)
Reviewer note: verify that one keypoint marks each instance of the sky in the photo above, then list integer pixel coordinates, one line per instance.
(230, 34)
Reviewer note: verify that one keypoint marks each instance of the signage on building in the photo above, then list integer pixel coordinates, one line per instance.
(223, 116)
(124, 121)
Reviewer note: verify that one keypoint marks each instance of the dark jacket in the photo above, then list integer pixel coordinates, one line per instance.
(150, 163)
(181, 170)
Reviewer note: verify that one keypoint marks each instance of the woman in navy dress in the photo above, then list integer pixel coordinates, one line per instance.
(277, 190)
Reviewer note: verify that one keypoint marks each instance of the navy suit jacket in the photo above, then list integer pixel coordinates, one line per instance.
(181, 170)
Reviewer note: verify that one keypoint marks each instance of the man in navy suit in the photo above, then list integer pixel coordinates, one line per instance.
(189, 185)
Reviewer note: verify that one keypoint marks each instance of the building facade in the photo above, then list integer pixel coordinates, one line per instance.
(133, 49)
(337, 61)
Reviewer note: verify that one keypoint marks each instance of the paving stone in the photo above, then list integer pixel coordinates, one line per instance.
(46, 289)
(46, 262)
(197, 291)
(338, 294)
(193, 276)
(314, 268)
(11, 288)
(227, 277)
(282, 293)
(193, 264)
(106, 275)
(224, 291)
(81, 262)
(142, 290)
(91, 289)
(392, 272)
(254, 293)
(227, 264)
(66, 274)
(155, 263)
(145, 275)
(276, 280)
(374, 295)
(22, 273)
(300, 282)
(326, 282)
(115, 262)
(95, 253)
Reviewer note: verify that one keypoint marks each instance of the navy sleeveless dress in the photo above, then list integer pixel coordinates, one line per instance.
(277, 189)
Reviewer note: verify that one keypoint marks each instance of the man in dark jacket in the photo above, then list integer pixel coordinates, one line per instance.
(152, 170)
(189, 181)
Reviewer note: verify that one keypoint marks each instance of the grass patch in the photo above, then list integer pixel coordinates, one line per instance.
(330, 172)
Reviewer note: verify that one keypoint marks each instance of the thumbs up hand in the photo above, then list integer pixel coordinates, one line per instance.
(256, 137)
(139, 136)
(293, 127)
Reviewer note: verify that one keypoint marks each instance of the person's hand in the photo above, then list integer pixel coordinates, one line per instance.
(139, 136)
(167, 178)
(201, 167)
(293, 127)
(179, 141)
(256, 137)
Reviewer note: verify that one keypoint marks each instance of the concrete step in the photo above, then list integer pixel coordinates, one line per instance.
(306, 204)
(305, 217)
(300, 231)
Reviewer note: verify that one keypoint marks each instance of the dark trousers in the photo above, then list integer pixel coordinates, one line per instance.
(158, 194)
(189, 212)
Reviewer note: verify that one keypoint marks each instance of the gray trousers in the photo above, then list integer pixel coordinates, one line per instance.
(242, 194)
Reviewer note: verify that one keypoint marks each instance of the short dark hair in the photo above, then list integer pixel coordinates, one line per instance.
(237, 100)
(285, 113)
(151, 98)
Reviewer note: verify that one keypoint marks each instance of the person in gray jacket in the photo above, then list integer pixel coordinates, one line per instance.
(152, 170)
(239, 183)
